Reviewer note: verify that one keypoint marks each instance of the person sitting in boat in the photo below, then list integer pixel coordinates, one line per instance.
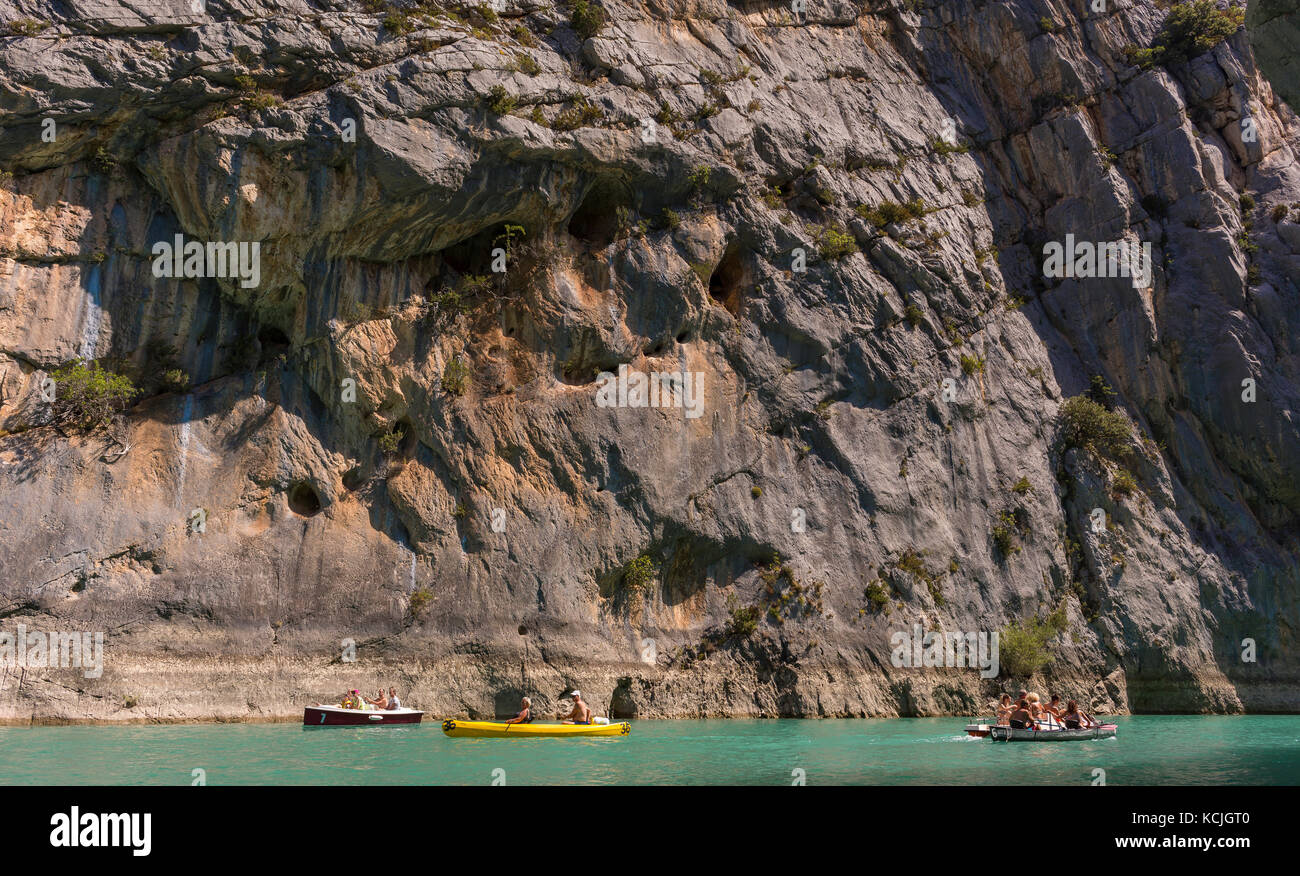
(580, 714)
(525, 715)
(1004, 709)
(1054, 706)
(393, 701)
(1043, 717)
(1073, 719)
(1020, 717)
(380, 702)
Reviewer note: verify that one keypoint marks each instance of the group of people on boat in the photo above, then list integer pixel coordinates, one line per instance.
(1027, 712)
(581, 713)
(355, 699)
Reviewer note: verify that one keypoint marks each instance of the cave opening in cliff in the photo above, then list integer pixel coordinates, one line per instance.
(604, 212)
(405, 437)
(354, 479)
(273, 343)
(303, 500)
(472, 256)
(728, 280)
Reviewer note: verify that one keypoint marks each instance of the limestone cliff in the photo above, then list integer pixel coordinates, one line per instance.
(833, 216)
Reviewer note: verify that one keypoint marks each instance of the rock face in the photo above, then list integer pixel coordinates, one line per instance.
(380, 461)
(1274, 28)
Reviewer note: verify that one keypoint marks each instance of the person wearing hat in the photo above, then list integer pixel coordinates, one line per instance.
(580, 714)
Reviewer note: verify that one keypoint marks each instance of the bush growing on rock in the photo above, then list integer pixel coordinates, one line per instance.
(971, 365)
(891, 213)
(27, 26)
(1023, 645)
(877, 595)
(1005, 530)
(1124, 483)
(581, 114)
(1087, 424)
(835, 243)
(420, 600)
(638, 574)
(743, 622)
(1189, 30)
(455, 377)
(499, 101)
(587, 19)
(87, 396)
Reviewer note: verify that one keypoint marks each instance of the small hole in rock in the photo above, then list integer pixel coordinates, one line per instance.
(303, 500)
(353, 479)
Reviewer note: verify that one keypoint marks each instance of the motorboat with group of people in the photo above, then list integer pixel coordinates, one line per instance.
(1028, 719)
(355, 708)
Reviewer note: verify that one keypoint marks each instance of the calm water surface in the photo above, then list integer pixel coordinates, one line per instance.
(1173, 750)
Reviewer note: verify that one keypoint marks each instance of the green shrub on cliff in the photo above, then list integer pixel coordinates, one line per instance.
(499, 100)
(455, 377)
(638, 574)
(835, 243)
(1190, 29)
(877, 595)
(27, 26)
(1023, 645)
(1085, 423)
(87, 396)
(743, 622)
(580, 115)
(421, 598)
(587, 19)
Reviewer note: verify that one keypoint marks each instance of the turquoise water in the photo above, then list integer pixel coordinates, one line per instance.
(1166, 750)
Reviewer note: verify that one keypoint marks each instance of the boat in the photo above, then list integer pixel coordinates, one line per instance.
(999, 733)
(501, 730)
(337, 716)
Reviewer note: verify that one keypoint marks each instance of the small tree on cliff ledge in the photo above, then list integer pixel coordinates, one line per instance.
(1084, 423)
(87, 396)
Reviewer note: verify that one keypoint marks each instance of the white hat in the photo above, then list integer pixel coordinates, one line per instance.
(574, 693)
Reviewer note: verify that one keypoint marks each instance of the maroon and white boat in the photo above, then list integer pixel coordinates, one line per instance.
(335, 716)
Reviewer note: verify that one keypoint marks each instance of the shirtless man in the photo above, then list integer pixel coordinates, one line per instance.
(379, 703)
(1020, 718)
(580, 714)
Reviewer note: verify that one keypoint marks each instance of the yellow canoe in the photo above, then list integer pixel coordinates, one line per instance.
(495, 729)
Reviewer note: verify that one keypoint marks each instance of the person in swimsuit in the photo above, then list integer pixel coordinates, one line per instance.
(1004, 709)
(380, 702)
(1054, 707)
(1020, 718)
(580, 714)
(525, 715)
